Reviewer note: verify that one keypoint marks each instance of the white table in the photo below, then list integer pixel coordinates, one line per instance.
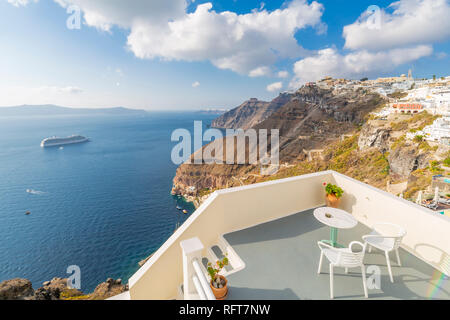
(336, 219)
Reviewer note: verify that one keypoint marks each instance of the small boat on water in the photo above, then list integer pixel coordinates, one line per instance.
(179, 208)
(28, 213)
(185, 211)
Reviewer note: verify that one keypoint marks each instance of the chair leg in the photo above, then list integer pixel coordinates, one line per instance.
(363, 271)
(398, 257)
(331, 282)
(320, 262)
(389, 266)
(370, 248)
(346, 270)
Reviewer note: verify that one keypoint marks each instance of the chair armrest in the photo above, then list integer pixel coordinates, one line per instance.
(323, 245)
(362, 245)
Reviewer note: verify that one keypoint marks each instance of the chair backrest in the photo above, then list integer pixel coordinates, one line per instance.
(352, 258)
(391, 230)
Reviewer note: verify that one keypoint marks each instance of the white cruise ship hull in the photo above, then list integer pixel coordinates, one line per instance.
(55, 142)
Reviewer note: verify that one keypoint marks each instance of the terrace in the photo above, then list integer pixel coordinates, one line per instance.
(270, 236)
(282, 256)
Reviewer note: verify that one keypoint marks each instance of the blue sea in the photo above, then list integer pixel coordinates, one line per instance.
(102, 205)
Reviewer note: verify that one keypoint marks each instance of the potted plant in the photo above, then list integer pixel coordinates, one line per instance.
(333, 195)
(218, 282)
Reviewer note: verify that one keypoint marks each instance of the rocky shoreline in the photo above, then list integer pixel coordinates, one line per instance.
(57, 289)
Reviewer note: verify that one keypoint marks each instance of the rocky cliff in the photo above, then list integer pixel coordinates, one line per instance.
(250, 113)
(57, 289)
(309, 119)
(328, 128)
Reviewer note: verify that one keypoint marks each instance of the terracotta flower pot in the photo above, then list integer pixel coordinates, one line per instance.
(332, 200)
(220, 293)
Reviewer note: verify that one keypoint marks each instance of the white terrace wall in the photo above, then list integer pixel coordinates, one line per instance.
(225, 211)
(428, 232)
(237, 208)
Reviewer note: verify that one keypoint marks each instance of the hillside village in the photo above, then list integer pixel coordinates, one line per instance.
(393, 133)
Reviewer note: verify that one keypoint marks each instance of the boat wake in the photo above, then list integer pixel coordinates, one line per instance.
(31, 191)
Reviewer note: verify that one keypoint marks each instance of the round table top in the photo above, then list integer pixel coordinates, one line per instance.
(339, 218)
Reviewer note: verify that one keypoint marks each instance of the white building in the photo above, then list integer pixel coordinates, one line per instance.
(438, 131)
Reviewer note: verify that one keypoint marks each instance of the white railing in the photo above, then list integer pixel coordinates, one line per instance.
(198, 286)
(242, 207)
(195, 284)
(205, 288)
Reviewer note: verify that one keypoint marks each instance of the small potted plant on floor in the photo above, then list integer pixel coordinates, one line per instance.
(333, 195)
(218, 282)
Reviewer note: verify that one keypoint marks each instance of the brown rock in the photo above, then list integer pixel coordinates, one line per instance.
(47, 293)
(16, 289)
(108, 289)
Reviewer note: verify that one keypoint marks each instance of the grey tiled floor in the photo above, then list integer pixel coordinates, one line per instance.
(282, 257)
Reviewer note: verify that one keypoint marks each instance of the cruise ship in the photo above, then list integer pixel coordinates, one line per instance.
(55, 141)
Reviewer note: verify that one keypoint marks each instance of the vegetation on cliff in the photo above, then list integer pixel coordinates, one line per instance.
(323, 129)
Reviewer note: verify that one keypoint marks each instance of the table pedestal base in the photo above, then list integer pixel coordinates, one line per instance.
(333, 238)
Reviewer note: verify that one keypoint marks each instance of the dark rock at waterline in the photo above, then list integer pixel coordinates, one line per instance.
(16, 289)
(47, 293)
(57, 289)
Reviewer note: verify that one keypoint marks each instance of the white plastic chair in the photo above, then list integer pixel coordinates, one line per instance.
(345, 258)
(386, 237)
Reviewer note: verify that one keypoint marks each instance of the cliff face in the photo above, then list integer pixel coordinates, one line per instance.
(330, 129)
(374, 136)
(403, 161)
(310, 118)
(250, 113)
(389, 137)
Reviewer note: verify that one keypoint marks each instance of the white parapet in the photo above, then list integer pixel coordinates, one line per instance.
(191, 249)
(242, 207)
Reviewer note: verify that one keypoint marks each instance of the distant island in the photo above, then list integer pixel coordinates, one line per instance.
(53, 110)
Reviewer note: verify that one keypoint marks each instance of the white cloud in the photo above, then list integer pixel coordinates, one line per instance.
(195, 84)
(239, 42)
(404, 35)
(276, 86)
(21, 3)
(259, 72)
(412, 22)
(283, 74)
(104, 14)
(329, 62)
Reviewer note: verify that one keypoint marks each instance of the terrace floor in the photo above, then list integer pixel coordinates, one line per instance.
(282, 257)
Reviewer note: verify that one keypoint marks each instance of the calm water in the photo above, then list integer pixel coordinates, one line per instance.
(103, 205)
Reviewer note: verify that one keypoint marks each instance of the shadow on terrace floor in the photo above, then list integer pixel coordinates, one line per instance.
(282, 257)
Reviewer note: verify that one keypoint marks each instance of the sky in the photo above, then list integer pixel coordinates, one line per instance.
(195, 54)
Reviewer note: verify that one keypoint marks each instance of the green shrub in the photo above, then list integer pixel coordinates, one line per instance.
(418, 138)
(334, 189)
